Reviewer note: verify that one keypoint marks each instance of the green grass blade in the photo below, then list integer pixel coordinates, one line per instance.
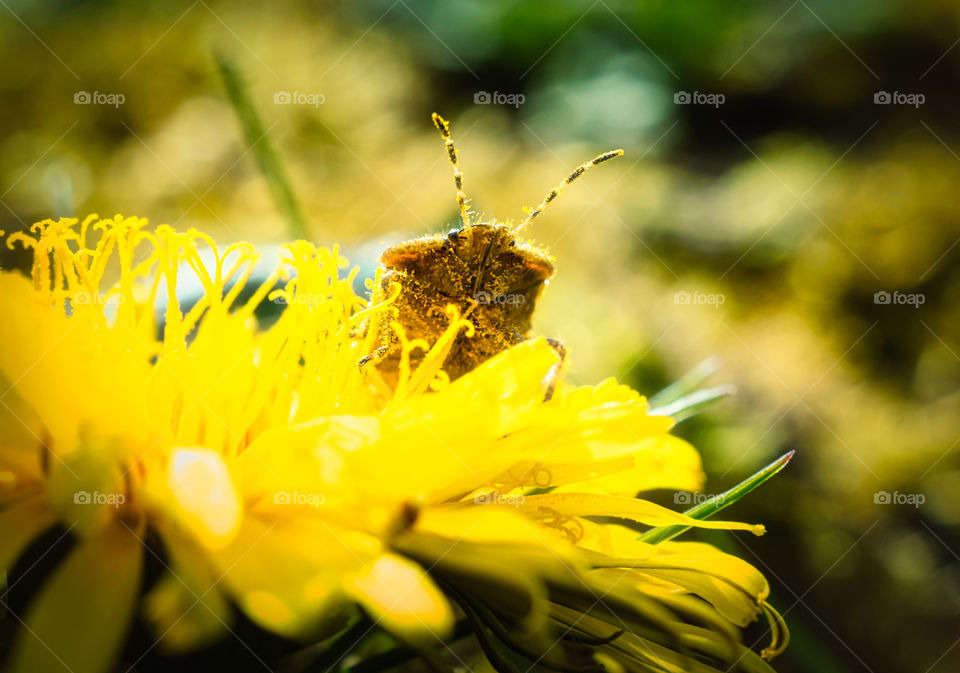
(710, 507)
(693, 403)
(263, 152)
(685, 384)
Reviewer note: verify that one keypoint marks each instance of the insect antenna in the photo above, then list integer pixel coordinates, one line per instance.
(555, 192)
(444, 127)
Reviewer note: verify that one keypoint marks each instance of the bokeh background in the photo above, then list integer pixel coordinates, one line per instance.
(785, 163)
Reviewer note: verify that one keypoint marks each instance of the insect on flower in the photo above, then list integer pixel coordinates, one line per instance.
(483, 268)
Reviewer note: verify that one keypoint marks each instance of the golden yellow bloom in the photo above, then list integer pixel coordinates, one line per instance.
(261, 466)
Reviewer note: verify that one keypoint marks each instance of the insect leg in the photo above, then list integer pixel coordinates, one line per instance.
(376, 357)
(553, 375)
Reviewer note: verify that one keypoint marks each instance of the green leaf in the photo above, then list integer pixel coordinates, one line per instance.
(710, 507)
(263, 152)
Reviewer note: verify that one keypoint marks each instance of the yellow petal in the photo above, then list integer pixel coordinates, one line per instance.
(32, 349)
(78, 622)
(304, 458)
(489, 524)
(515, 375)
(495, 553)
(659, 462)
(402, 596)
(441, 447)
(614, 540)
(733, 586)
(85, 485)
(21, 432)
(69, 368)
(19, 525)
(186, 609)
(285, 573)
(642, 511)
(205, 499)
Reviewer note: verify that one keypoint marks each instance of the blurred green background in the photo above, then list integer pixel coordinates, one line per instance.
(784, 164)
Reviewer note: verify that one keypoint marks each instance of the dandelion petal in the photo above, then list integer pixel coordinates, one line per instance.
(402, 596)
(78, 622)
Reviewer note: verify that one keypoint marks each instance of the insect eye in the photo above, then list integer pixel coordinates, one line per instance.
(454, 236)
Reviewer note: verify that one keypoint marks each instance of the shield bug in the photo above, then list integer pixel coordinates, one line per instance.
(483, 268)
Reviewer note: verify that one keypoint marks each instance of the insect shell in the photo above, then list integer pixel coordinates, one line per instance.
(483, 268)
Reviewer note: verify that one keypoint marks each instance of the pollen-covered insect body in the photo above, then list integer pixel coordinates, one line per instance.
(484, 269)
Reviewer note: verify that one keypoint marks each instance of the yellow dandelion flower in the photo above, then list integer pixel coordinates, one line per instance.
(259, 467)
